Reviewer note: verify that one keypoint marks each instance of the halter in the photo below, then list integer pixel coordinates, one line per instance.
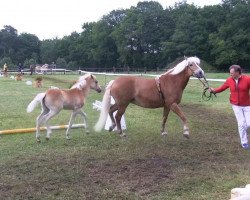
(205, 96)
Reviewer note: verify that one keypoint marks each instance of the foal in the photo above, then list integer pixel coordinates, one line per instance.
(54, 100)
(163, 91)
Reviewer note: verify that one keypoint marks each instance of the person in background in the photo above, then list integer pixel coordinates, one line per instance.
(20, 68)
(239, 85)
(5, 70)
(32, 67)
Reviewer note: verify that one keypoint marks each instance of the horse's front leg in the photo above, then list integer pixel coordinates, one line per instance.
(176, 109)
(72, 117)
(164, 119)
(84, 115)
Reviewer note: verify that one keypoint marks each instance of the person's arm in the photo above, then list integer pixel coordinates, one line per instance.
(220, 89)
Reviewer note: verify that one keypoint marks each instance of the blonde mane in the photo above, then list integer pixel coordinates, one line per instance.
(182, 65)
(81, 82)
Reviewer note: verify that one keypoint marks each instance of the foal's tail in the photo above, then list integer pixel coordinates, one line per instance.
(38, 99)
(105, 108)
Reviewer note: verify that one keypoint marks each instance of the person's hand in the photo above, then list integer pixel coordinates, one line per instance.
(211, 90)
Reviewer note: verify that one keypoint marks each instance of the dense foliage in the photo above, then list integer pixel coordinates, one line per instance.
(143, 37)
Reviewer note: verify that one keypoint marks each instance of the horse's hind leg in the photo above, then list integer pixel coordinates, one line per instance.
(118, 116)
(46, 118)
(176, 109)
(165, 116)
(39, 121)
(112, 109)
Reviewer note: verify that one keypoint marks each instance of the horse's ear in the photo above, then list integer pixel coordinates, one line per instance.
(185, 57)
(91, 76)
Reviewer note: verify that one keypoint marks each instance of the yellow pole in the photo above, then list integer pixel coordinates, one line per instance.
(29, 130)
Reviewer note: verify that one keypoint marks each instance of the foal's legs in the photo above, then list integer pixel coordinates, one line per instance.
(176, 109)
(84, 115)
(39, 121)
(112, 109)
(46, 118)
(72, 117)
(165, 116)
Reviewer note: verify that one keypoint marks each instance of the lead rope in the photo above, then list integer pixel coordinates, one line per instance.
(206, 95)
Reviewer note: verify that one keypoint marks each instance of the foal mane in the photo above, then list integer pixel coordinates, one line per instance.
(182, 65)
(81, 81)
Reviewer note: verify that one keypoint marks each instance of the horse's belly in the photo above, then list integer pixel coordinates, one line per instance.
(68, 107)
(148, 104)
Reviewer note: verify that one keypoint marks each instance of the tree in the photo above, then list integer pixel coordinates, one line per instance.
(61, 63)
(8, 39)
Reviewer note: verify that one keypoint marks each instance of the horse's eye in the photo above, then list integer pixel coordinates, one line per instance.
(190, 65)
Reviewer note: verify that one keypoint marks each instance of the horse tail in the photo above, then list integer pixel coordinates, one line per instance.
(106, 102)
(38, 99)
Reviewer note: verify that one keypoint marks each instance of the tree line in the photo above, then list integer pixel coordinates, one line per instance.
(146, 36)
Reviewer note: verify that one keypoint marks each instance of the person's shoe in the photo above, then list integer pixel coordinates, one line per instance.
(245, 146)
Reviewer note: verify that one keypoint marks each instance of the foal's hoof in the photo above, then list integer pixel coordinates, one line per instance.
(87, 131)
(68, 138)
(164, 133)
(186, 136)
(38, 141)
(123, 135)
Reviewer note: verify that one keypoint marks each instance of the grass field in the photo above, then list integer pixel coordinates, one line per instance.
(145, 165)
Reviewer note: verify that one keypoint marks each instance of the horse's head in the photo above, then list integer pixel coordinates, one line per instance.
(193, 65)
(94, 84)
(88, 80)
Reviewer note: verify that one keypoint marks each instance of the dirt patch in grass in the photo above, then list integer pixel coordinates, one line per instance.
(142, 176)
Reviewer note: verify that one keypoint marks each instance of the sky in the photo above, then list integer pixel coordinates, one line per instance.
(49, 19)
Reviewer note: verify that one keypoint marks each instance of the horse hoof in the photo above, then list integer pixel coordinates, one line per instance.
(186, 136)
(68, 138)
(164, 133)
(123, 135)
(87, 131)
(38, 141)
(111, 128)
(47, 138)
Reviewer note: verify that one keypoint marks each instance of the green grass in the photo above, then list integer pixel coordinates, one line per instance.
(145, 165)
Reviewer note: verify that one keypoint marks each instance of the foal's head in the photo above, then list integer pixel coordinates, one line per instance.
(192, 64)
(87, 80)
(94, 84)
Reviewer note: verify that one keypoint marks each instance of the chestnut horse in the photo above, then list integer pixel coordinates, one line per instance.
(163, 91)
(54, 100)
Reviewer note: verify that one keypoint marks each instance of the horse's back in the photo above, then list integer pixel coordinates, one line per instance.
(53, 98)
(138, 90)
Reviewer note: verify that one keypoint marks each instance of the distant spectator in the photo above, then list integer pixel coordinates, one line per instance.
(32, 67)
(5, 70)
(20, 68)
